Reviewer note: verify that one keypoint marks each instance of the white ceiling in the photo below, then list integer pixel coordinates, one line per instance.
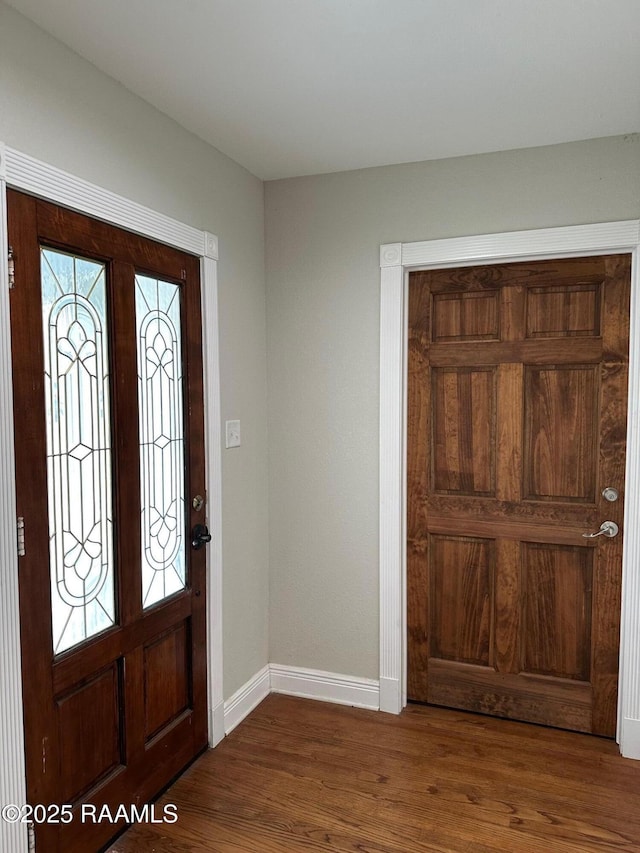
(294, 87)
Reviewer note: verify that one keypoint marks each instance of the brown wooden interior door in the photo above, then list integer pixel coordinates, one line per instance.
(516, 424)
(106, 340)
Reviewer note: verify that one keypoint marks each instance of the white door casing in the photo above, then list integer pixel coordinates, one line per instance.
(27, 174)
(396, 260)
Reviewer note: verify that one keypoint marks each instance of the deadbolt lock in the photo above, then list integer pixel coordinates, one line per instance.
(610, 494)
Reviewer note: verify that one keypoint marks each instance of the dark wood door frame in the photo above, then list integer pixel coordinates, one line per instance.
(396, 260)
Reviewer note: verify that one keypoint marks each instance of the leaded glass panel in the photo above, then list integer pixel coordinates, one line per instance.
(161, 420)
(76, 364)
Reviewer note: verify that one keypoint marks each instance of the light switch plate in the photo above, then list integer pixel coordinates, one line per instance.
(232, 433)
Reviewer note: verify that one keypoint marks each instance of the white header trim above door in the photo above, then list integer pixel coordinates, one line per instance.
(21, 172)
(396, 259)
(48, 182)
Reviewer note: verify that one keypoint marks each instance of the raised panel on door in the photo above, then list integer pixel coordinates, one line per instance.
(106, 341)
(466, 316)
(564, 310)
(561, 414)
(91, 732)
(461, 579)
(167, 664)
(463, 430)
(516, 423)
(556, 610)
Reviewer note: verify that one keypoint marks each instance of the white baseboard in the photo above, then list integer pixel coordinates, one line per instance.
(326, 686)
(243, 701)
(630, 738)
(216, 725)
(295, 681)
(383, 695)
(390, 695)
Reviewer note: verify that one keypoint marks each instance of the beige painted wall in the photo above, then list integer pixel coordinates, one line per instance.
(323, 284)
(59, 108)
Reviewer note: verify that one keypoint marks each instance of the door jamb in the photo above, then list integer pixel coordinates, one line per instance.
(25, 173)
(396, 261)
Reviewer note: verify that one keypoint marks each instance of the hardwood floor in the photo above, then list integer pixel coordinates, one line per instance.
(300, 775)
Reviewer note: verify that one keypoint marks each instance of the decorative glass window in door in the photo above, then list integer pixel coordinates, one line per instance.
(161, 419)
(76, 365)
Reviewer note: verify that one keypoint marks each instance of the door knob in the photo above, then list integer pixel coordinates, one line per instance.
(200, 536)
(607, 528)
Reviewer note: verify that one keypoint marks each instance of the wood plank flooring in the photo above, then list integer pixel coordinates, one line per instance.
(299, 775)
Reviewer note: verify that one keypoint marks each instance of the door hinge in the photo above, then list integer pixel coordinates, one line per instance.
(31, 836)
(11, 267)
(21, 549)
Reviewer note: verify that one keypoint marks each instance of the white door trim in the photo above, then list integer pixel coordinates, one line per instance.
(25, 173)
(396, 260)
